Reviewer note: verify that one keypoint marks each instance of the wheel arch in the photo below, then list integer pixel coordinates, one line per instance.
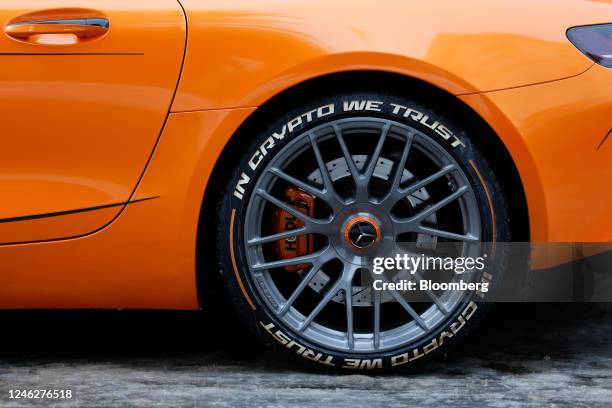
(466, 116)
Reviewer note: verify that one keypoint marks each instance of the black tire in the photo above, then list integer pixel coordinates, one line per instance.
(231, 253)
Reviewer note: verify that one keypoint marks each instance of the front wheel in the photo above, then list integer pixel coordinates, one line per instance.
(327, 188)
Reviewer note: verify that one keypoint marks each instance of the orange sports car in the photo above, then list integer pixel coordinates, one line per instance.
(149, 146)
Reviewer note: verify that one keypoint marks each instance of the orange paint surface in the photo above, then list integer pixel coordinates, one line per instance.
(86, 122)
(80, 120)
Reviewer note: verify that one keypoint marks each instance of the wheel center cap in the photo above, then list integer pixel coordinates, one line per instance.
(362, 232)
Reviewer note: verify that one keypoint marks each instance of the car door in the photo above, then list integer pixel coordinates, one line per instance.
(85, 89)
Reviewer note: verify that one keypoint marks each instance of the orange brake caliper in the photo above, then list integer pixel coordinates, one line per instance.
(284, 221)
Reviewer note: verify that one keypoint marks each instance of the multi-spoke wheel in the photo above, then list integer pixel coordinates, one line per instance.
(307, 214)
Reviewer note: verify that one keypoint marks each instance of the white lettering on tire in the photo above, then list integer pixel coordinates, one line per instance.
(354, 105)
(377, 363)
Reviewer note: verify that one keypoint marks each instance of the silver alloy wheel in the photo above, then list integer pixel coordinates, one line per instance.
(345, 208)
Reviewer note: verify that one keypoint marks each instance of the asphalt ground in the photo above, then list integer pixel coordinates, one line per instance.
(523, 355)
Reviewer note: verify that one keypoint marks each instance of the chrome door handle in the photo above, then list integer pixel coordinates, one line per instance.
(80, 27)
(98, 22)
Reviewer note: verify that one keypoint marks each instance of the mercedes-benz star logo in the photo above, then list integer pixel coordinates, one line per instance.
(362, 234)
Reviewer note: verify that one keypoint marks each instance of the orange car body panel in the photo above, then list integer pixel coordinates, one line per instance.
(510, 62)
(556, 134)
(560, 126)
(80, 119)
(146, 257)
(242, 52)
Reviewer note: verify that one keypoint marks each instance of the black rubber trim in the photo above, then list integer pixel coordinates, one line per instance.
(68, 212)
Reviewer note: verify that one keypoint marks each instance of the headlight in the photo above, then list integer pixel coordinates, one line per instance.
(594, 41)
